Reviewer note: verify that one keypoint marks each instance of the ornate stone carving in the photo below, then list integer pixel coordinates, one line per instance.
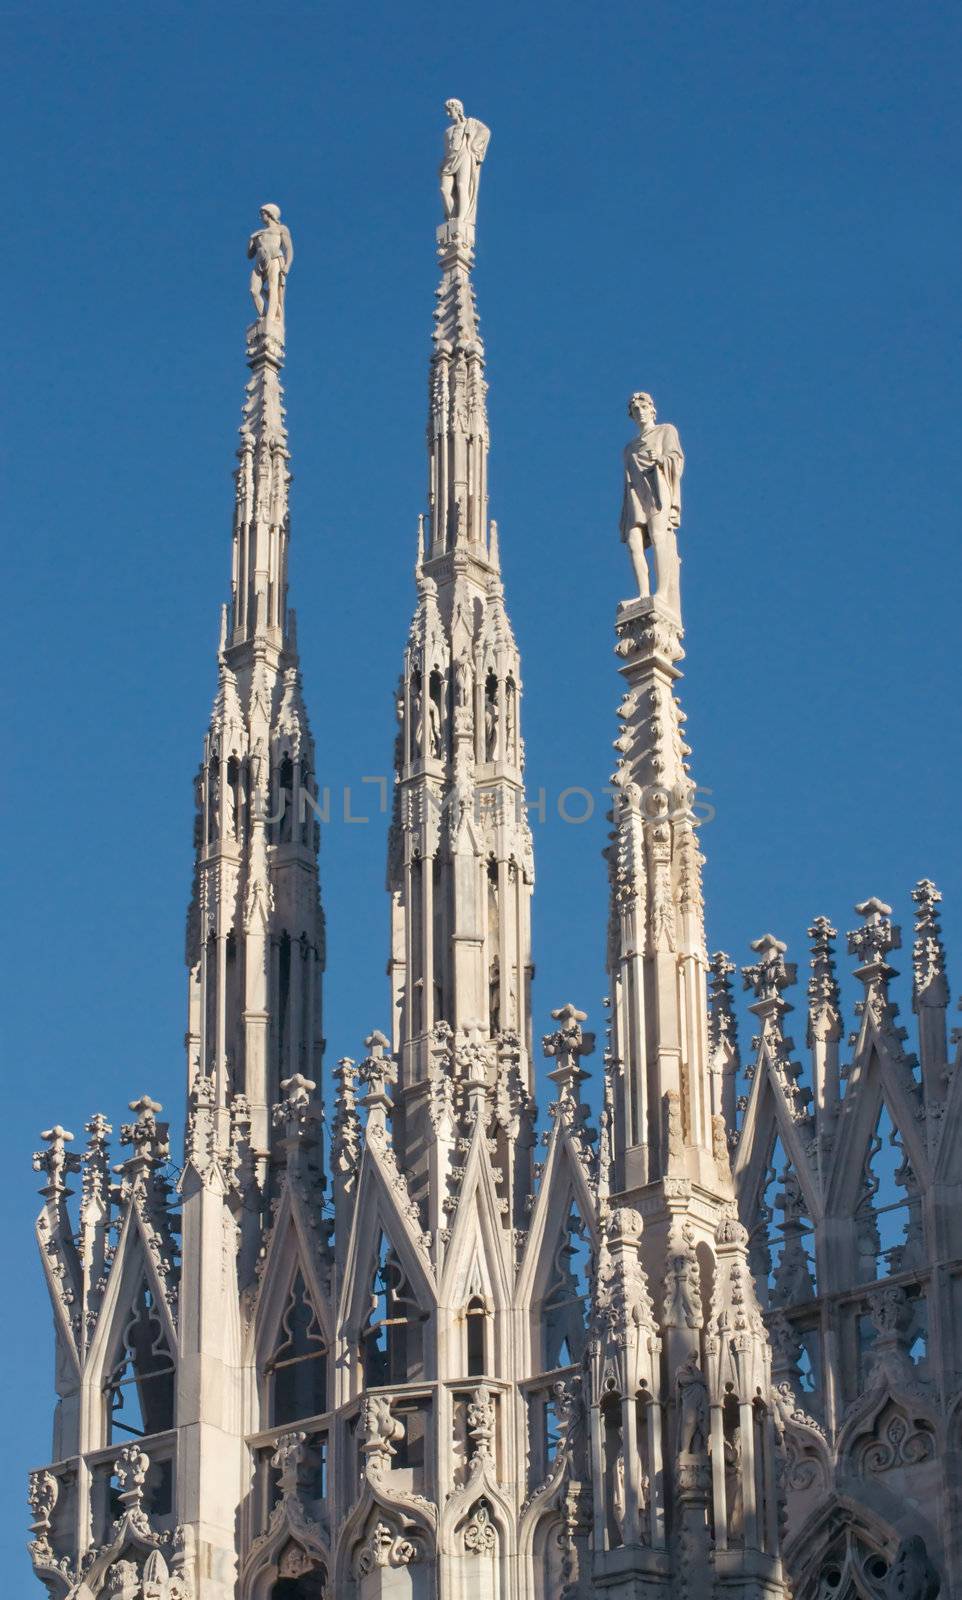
(382, 1433)
(479, 1536)
(385, 1547)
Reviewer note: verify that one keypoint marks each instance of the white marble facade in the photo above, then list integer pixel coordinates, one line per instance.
(450, 1349)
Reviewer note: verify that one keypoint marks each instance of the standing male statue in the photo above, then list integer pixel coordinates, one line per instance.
(651, 509)
(272, 252)
(465, 144)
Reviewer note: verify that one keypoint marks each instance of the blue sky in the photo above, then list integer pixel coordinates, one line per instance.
(750, 210)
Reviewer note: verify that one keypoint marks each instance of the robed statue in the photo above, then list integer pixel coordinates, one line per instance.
(912, 1575)
(651, 508)
(465, 144)
(272, 252)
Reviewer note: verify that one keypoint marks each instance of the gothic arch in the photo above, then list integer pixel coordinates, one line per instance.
(133, 1270)
(476, 1248)
(767, 1119)
(564, 1185)
(292, 1545)
(378, 1212)
(874, 1080)
(290, 1249)
(835, 1551)
(409, 1516)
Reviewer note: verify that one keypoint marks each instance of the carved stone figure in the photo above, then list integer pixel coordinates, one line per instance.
(123, 1582)
(465, 144)
(491, 728)
(912, 1575)
(434, 728)
(651, 508)
(272, 252)
(382, 1433)
(692, 1408)
(462, 679)
(734, 1486)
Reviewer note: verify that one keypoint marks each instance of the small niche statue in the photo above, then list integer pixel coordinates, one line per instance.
(272, 253)
(912, 1575)
(651, 509)
(465, 144)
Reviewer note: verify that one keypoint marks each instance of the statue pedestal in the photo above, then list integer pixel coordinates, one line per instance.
(456, 243)
(648, 606)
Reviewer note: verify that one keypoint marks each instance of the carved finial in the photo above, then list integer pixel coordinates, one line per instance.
(148, 1138)
(722, 1025)
(295, 1113)
(346, 1132)
(823, 985)
(873, 942)
(377, 1071)
(419, 561)
(494, 552)
(96, 1162)
(824, 1017)
(481, 1423)
(770, 974)
(156, 1584)
(567, 1045)
(272, 252)
(130, 1469)
(930, 984)
(57, 1162)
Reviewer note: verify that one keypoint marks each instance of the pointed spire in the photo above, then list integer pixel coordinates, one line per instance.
(824, 1024)
(871, 944)
(724, 1054)
(930, 987)
(261, 529)
(457, 417)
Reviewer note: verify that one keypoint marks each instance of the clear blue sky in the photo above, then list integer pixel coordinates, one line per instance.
(751, 210)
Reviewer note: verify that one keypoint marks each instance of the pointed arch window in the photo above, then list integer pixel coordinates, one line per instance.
(139, 1390)
(391, 1338)
(285, 801)
(213, 800)
(476, 1336)
(564, 1308)
(889, 1232)
(782, 1242)
(297, 1371)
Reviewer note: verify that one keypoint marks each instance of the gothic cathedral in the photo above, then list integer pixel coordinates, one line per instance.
(707, 1349)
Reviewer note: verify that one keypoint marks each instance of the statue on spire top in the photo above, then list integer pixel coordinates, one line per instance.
(272, 252)
(465, 144)
(651, 508)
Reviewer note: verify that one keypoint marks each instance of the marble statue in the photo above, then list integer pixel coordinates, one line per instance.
(465, 144)
(272, 252)
(912, 1575)
(693, 1408)
(651, 509)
